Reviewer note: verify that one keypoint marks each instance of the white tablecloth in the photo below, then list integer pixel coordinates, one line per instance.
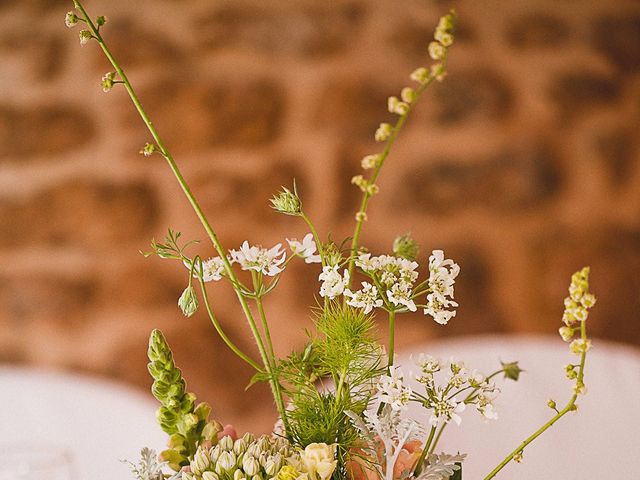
(100, 422)
(97, 422)
(599, 442)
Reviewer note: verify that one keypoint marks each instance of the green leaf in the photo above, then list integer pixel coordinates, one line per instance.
(457, 475)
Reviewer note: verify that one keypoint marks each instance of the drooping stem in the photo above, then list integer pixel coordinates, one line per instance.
(187, 192)
(216, 324)
(561, 413)
(316, 237)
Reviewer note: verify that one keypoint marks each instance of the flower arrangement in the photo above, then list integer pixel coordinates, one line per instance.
(341, 401)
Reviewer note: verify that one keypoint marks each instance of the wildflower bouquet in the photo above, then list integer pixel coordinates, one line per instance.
(341, 401)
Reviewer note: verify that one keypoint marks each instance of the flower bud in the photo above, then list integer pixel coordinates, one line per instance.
(436, 51)
(201, 461)
(249, 438)
(406, 247)
(287, 202)
(239, 446)
(226, 462)
(226, 443)
(250, 466)
(208, 476)
(566, 333)
(188, 302)
(85, 36)
(420, 75)
(148, 149)
(319, 460)
(214, 453)
(551, 404)
(107, 81)
(270, 468)
(288, 472)
(101, 20)
(370, 161)
(408, 94)
(511, 370)
(383, 132)
(238, 475)
(71, 20)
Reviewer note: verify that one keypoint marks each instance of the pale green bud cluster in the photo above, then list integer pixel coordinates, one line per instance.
(247, 458)
(406, 247)
(187, 424)
(576, 309)
(287, 202)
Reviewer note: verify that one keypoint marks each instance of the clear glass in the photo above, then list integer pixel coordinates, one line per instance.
(35, 462)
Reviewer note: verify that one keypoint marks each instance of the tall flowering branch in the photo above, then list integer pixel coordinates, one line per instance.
(438, 51)
(577, 306)
(93, 33)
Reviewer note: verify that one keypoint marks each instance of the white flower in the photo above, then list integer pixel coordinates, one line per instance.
(446, 410)
(212, 269)
(305, 249)
(366, 298)
(442, 275)
(392, 389)
(265, 261)
(333, 284)
(400, 294)
(319, 460)
(427, 363)
(488, 412)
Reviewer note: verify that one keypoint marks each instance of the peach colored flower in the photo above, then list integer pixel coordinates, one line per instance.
(360, 467)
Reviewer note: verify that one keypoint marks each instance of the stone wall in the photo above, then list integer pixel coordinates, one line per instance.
(523, 166)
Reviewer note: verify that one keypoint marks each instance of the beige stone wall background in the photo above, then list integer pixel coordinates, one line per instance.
(523, 166)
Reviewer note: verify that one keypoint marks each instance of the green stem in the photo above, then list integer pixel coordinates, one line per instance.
(392, 332)
(366, 195)
(221, 332)
(187, 191)
(423, 455)
(569, 407)
(276, 384)
(437, 439)
(316, 237)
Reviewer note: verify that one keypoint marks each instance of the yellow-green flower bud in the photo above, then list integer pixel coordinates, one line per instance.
(566, 333)
(408, 94)
(148, 149)
(580, 346)
(238, 475)
(436, 51)
(107, 81)
(101, 20)
(239, 446)
(270, 468)
(85, 36)
(208, 476)
(370, 161)
(406, 247)
(71, 20)
(214, 453)
(420, 75)
(551, 404)
(188, 301)
(287, 202)
(383, 132)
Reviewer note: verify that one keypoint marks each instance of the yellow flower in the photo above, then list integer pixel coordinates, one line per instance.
(319, 460)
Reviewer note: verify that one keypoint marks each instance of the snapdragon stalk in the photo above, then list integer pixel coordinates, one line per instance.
(571, 406)
(190, 197)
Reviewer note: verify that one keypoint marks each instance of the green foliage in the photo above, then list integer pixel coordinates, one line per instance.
(186, 423)
(170, 247)
(346, 354)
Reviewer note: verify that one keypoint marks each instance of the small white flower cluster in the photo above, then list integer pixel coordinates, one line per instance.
(305, 249)
(333, 283)
(441, 399)
(266, 261)
(393, 391)
(442, 275)
(269, 262)
(396, 275)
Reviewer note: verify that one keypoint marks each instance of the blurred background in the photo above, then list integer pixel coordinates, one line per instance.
(524, 165)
